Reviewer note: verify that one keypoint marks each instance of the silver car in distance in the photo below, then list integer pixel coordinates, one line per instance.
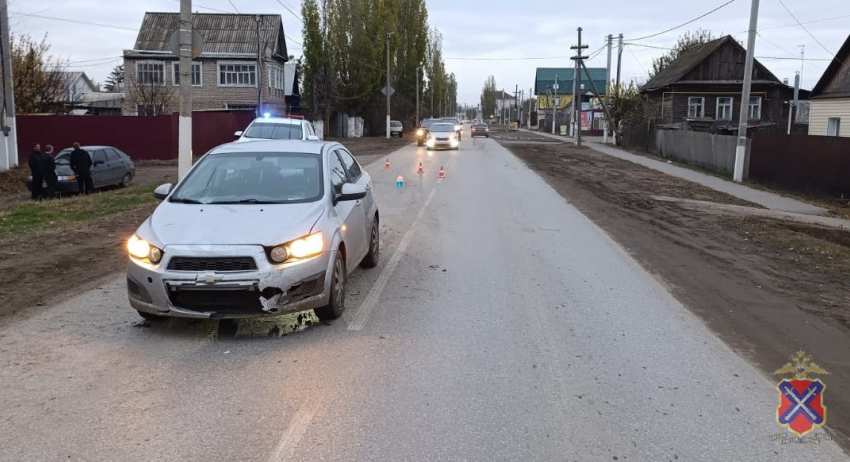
(256, 228)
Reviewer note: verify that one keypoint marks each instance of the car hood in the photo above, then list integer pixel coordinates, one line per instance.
(241, 224)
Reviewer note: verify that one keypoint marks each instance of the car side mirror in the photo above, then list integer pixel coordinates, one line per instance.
(237, 134)
(351, 192)
(162, 191)
(312, 138)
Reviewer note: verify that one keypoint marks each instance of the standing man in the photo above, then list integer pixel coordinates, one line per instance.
(36, 172)
(81, 165)
(48, 168)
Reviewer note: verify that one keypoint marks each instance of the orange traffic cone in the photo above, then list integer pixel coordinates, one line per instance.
(420, 169)
(387, 164)
(442, 173)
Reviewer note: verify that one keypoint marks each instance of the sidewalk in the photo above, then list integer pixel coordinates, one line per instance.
(766, 199)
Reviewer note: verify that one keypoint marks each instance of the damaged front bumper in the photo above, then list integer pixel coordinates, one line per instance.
(204, 282)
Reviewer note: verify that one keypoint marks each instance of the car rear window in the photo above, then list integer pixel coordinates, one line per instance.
(272, 131)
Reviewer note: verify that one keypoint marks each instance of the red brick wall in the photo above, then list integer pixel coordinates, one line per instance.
(143, 138)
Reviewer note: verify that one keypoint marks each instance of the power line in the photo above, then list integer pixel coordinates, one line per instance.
(816, 21)
(466, 58)
(807, 31)
(234, 6)
(77, 21)
(684, 23)
(290, 10)
(206, 8)
(637, 60)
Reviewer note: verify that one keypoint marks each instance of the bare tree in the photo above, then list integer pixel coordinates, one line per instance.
(39, 78)
(151, 98)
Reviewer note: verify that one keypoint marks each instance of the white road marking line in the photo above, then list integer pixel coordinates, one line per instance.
(371, 300)
(285, 450)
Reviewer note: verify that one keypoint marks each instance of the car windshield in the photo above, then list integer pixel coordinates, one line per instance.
(253, 178)
(427, 123)
(480, 125)
(63, 158)
(274, 131)
(395, 124)
(442, 127)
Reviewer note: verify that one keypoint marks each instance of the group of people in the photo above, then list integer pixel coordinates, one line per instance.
(43, 170)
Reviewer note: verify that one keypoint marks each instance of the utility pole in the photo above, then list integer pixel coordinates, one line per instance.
(741, 149)
(8, 158)
(388, 84)
(529, 108)
(577, 86)
(184, 127)
(555, 102)
(617, 85)
(607, 85)
(793, 104)
(258, 20)
(418, 68)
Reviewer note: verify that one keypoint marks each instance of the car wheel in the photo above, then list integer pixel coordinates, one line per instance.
(374, 254)
(150, 316)
(126, 180)
(336, 303)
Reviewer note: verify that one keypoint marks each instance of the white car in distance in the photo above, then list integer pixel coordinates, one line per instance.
(278, 128)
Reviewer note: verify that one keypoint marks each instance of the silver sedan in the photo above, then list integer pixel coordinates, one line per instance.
(256, 229)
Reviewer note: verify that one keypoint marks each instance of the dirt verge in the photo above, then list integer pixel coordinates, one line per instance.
(766, 287)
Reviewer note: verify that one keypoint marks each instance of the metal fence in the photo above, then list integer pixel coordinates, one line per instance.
(143, 138)
(819, 164)
(712, 152)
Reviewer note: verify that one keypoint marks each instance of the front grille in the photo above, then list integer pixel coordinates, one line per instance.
(222, 264)
(219, 302)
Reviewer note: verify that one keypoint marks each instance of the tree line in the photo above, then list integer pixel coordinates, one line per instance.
(344, 61)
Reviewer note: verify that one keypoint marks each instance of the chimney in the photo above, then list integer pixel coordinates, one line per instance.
(785, 81)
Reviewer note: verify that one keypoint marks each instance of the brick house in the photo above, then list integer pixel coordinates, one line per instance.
(224, 75)
(701, 91)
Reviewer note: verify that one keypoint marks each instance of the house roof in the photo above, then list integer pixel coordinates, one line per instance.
(70, 78)
(841, 59)
(545, 77)
(223, 34)
(502, 94)
(689, 60)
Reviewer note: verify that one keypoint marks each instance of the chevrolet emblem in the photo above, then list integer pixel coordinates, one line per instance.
(208, 278)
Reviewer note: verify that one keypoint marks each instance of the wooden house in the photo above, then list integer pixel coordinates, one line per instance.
(701, 91)
(830, 110)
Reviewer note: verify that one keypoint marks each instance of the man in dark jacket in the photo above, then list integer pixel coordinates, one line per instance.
(81, 165)
(48, 168)
(36, 172)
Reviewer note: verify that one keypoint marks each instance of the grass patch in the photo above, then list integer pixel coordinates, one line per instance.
(34, 217)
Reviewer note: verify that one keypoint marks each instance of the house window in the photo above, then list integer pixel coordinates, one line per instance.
(833, 126)
(148, 109)
(197, 78)
(237, 75)
(696, 107)
(755, 108)
(277, 81)
(724, 108)
(150, 73)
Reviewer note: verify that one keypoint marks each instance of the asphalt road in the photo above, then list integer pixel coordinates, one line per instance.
(501, 324)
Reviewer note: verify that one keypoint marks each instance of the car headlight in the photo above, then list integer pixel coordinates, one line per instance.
(70, 177)
(458, 127)
(299, 249)
(420, 132)
(143, 250)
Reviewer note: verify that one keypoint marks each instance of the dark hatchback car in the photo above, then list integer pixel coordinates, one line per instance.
(110, 166)
(422, 130)
(456, 122)
(480, 129)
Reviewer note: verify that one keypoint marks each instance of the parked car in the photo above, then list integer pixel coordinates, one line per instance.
(396, 128)
(443, 136)
(110, 167)
(456, 123)
(278, 128)
(480, 130)
(422, 130)
(256, 229)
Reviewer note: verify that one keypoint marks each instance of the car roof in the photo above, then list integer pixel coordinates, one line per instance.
(91, 147)
(262, 145)
(278, 120)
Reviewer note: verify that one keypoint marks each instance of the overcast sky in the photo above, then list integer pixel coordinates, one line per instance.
(501, 38)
